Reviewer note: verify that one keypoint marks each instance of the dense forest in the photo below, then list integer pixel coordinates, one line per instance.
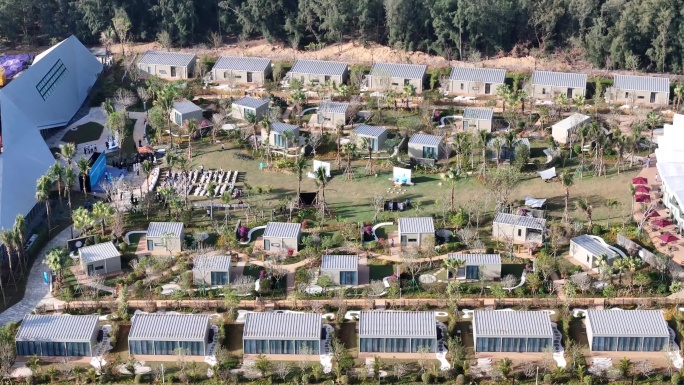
(629, 34)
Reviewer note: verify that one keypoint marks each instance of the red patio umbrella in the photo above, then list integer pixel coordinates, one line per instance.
(667, 238)
(643, 198)
(653, 214)
(639, 180)
(642, 189)
(662, 222)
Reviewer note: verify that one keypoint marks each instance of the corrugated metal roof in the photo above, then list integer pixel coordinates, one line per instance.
(416, 225)
(571, 122)
(418, 324)
(627, 323)
(340, 262)
(282, 230)
(319, 67)
(477, 259)
(367, 130)
(281, 127)
(158, 229)
(186, 106)
(178, 59)
(98, 252)
(478, 113)
(169, 327)
(211, 263)
(425, 140)
(641, 83)
(58, 328)
(521, 220)
(394, 70)
(333, 107)
(486, 75)
(559, 79)
(511, 324)
(593, 245)
(250, 102)
(239, 63)
(303, 326)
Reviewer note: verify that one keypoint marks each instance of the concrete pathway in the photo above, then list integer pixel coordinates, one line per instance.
(37, 292)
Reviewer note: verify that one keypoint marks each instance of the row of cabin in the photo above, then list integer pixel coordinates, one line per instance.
(392, 76)
(384, 334)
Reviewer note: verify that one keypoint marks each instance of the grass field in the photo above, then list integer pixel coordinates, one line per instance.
(84, 133)
(351, 200)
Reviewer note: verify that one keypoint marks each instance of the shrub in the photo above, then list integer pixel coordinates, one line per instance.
(659, 378)
(588, 380)
(460, 380)
(426, 377)
(305, 379)
(138, 379)
(596, 230)
(676, 379)
(344, 379)
(548, 379)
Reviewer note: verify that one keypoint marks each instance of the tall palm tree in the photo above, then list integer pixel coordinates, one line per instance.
(509, 142)
(321, 183)
(147, 168)
(43, 187)
(635, 139)
(679, 96)
(299, 168)
(338, 135)
(633, 264)
(83, 170)
(82, 219)
(566, 180)
(166, 96)
(19, 229)
(502, 92)
(7, 237)
(68, 151)
(57, 259)
(586, 207)
(217, 120)
(653, 120)
(69, 182)
(349, 150)
(254, 121)
(104, 213)
(191, 127)
(483, 139)
(620, 264)
(368, 145)
(56, 172)
(451, 177)
(268, 126)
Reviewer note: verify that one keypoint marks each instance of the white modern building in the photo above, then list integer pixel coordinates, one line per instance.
(627, 330)
(670, 164)
(45, 96)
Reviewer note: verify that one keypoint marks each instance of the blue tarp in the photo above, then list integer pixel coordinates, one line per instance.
(12, 64)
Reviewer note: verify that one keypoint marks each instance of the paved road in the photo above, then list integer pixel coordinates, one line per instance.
(36, 290)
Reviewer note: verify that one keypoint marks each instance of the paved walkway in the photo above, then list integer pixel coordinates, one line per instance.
(37, 292)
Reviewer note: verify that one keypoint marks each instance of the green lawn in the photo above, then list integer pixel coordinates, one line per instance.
(351, 200)
(84, 133)
(378, 272)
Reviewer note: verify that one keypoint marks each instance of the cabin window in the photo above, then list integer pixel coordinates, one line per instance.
(543, 91)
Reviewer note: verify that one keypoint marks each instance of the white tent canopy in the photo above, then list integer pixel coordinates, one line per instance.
(548, 174)
(534, 203)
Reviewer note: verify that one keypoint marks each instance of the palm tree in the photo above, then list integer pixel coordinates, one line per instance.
(103, 212)
(165, 99)
(502, 93)
(602, 265)
(43, 187)
(451, 177)
(268, 126)
(321, 183)
(69, 182)
(585, 206)
(19, 229)
(211, 190)
(299, 167)
(653, 120)
(338, 134)
(620, 264)
(191, 127)
(633, 264)
(509, 141)
(56, 259)
(453, 264)
(56, 172)
(635, 139)
(298, 97)
(460, 143)
(7, 237)
(679, 96)
(368, 145)
(108, 107)
(484, 138)
(147, 168)
(566, 180)
(254, 121)
(82, 219)
(83, 170)
(349, 150)
(409, 90)
(68, 151)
